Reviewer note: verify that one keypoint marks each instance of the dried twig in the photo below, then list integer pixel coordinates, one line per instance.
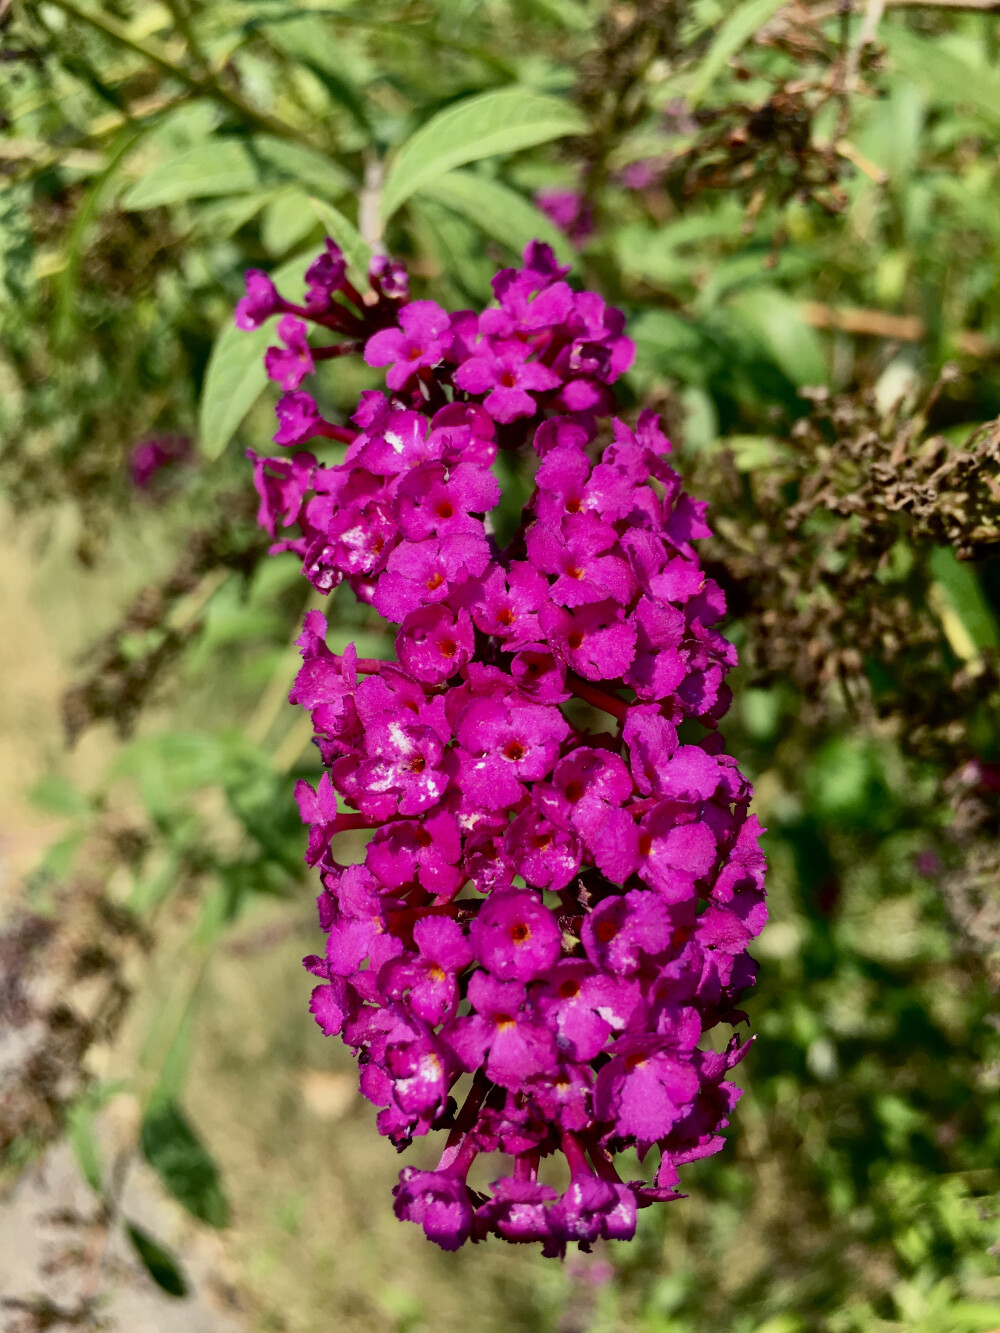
(880, 324)
(836, 7)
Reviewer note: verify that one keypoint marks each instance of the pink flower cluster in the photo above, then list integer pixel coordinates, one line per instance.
(549, 918)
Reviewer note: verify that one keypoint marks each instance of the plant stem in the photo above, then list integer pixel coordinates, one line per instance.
(596, 697)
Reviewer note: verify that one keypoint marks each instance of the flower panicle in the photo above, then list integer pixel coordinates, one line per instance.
(550, 916)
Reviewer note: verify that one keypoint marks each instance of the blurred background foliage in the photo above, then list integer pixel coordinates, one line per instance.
(798, 207)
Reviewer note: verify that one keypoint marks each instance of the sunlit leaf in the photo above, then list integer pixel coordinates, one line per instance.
(224, 166)
(347, 236)
(59, 796)
(498, 211)
(83, 1140)
(457, 247)
(286, 222)
(476, 128)
(944, 73)
(964, 611)
(314, 171)
(739, 26)
(306, 38)
(777, 325)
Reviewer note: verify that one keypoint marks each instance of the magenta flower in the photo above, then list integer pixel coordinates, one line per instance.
(555, 901)
(507, 378)
(435, 501)
(260, 302)
(570, 212)
(514, 936)
(583, 1006)
(420, 573)
(596, 641)
(506, 743)
(501, 1036)
(439, 1202)
(422, 340)
(580, 554)
(645, 1089)
(290, 364)
(324, 276)
(150, 457)
(434, 643)
(389, 278)
(586, 786)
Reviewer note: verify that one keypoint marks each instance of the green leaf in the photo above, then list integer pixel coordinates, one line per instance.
(222, 218)
(159, 1263)
(740, 25)
(59, 797)
(314, 44)
(67, 282)
(656, 255)
(235, 377)
(287, 221)
(81, 1133)
(965, 600)
(456, 247)
(223, 166)
(170, 767)
(175, 1064)
(945, 74)
(306, 167)
(673, 345)
(776, 325)
(498, 211)
(83, 1141)
(60, 855)
(475, 128)
(347, 236)
(177, 1155)
(564, 12)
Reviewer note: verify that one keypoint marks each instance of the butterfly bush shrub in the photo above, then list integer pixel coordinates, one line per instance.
(548, 919)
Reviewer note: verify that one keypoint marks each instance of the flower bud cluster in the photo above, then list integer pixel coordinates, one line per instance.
(548, 919)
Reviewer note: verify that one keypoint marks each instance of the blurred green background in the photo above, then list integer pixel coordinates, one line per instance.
(798, 207)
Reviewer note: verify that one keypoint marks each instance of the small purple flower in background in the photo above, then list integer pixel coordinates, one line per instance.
(642, 174)
(149, 457)
(569, 211)
(556, 903)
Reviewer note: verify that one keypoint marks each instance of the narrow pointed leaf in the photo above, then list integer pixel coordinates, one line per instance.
(158, 1262)
(222, 167)
(235, 377)
(347, 236)
(473, 129)
(498, 211)
(178, 1156)
(740, 25)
